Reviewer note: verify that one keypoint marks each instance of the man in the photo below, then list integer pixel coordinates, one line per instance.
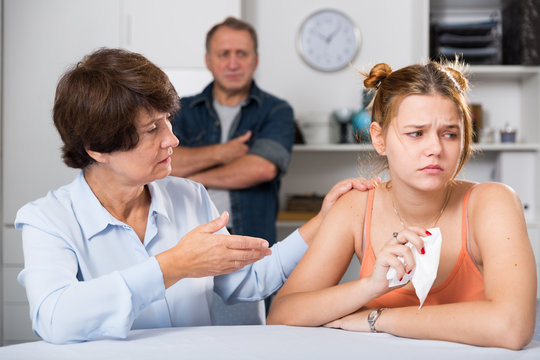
(235, 139)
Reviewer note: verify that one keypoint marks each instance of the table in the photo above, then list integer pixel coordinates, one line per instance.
(261, 342)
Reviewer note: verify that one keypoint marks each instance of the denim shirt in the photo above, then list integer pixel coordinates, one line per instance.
(271, 122)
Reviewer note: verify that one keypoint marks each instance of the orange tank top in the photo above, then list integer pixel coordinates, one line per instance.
(464, 283)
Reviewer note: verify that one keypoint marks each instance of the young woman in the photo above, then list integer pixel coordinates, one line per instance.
(485, 289)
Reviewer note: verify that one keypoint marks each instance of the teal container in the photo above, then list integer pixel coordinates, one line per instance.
(362, 119)
(360, 126)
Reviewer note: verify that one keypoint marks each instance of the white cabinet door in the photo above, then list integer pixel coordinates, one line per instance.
(41, 39)
(172, 33)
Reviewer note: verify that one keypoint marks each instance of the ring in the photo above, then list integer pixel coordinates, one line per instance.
(395, 234)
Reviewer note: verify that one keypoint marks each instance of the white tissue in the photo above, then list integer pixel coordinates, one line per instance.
(424, 273)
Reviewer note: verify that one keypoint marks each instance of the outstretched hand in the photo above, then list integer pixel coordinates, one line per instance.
(202, 252)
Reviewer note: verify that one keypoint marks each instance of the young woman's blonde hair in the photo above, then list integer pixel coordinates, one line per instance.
(446, 79)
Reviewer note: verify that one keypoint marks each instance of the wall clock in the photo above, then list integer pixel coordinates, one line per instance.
(328, 40)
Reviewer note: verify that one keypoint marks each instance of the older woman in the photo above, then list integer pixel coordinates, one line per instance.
(124, 246)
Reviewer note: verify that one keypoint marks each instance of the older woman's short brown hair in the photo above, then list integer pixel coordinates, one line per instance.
(98, 100)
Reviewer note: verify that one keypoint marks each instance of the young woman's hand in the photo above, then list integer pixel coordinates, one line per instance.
(357, 321)
(392, 253)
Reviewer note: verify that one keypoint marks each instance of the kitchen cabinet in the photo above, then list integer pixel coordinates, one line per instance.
(172, 32)
(40, 40)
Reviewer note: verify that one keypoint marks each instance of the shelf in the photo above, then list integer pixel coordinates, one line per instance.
(369, 147)
(502, 72)
(507, 147)
(289, 224)
(531, 223)
(293, 219)
(333, 147)
(468, 4)
(301, 216)
(504, 69)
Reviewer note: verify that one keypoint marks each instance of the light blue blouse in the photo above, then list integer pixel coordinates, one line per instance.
(87, 274)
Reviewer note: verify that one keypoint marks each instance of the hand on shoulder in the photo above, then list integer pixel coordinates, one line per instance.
(352, 202)
(337, 193)
(345, 186)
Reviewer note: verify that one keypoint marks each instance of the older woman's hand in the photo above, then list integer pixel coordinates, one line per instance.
(202, 253)
(309, 229)
(343, 187)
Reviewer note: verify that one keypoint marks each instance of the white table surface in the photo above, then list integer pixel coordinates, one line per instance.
(261, 342)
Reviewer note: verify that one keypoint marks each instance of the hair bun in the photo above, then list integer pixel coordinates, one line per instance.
(376, 75)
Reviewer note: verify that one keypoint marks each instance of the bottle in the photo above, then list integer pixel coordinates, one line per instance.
(362, 119)
(343, 116)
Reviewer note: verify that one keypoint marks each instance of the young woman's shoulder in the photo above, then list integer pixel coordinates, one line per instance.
(344, 221)
(493, 197)
(492, 189)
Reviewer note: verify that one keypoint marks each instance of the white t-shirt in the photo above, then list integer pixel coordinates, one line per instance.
(226, 115)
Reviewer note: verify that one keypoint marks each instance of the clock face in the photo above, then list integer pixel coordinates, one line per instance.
(328, 40)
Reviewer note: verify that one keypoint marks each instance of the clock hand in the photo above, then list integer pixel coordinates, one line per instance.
(319, 35)
(333, 33)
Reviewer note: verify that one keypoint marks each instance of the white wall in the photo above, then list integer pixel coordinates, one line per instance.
(392, 31)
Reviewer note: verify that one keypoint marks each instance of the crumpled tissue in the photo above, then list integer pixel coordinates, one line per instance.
(424, 273)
